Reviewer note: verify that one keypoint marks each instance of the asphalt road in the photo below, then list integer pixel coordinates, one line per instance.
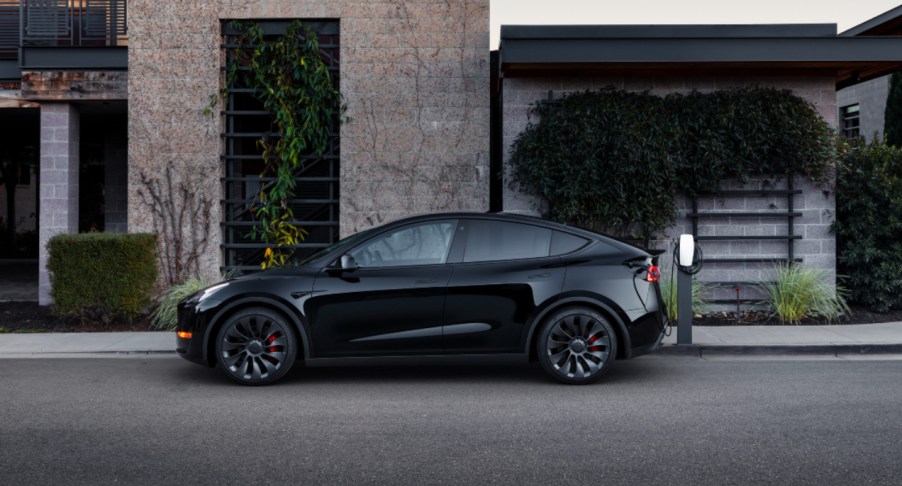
(655, 420)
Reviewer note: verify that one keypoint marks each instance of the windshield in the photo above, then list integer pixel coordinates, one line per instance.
(342, 243)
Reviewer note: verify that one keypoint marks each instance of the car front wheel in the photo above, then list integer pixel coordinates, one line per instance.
(255, 347)
(576, 345)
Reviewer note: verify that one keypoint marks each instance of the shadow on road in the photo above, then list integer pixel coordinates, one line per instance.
(532, 373)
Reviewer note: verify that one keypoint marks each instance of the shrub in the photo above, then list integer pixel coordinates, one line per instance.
(669, 292)
(868, 223)
(165, 316)
(798, 292)
(113, 272)
(614, 161)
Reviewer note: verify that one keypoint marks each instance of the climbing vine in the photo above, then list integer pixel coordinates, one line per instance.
(293, 83)
(614, 160)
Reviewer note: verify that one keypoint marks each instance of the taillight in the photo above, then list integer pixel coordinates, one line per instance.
(184, 334)
(653, 274)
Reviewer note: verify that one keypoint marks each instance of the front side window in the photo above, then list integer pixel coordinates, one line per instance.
(417, 244)
(497, 240)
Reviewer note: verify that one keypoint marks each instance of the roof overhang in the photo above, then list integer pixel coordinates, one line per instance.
(697, 51)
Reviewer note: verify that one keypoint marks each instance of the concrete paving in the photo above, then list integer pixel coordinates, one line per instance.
(885, 338)
(75, 343)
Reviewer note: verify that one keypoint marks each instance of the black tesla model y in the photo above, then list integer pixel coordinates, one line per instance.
(458, 285)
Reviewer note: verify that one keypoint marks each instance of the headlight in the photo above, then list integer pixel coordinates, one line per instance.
(207, 292)
(211, 290)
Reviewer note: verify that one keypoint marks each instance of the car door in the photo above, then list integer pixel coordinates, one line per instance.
(392, 304)
(506, 272)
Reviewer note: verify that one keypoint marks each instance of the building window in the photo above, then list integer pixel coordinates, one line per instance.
(849, 121)
(316, 181)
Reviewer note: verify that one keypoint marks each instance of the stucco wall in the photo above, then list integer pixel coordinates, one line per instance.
(817, 248)
(414, 75)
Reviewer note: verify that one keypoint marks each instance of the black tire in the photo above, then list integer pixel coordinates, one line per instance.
(255, 346)
(576, 345)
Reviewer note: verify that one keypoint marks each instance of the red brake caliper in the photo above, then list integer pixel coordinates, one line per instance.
(592, 340)
(270, 340)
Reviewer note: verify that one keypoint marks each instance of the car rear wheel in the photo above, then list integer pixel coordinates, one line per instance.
(576, 345)
(255, 347)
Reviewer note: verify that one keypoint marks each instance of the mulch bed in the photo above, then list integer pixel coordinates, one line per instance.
(858, 315)
(30, 317)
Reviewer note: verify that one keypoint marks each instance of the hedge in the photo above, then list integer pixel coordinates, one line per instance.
(868, 224)
(614, 160)
(113, 272)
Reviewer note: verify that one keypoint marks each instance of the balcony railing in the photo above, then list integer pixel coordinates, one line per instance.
(61, 23)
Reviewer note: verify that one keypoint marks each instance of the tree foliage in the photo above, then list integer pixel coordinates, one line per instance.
(614, 160)
(892, 124)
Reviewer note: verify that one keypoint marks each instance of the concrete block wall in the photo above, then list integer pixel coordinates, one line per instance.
(871, 96)
(115, 182)
(59, 182)
(414, 75)
(817, 204)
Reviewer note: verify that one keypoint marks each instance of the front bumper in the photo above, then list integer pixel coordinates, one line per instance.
(192, 319)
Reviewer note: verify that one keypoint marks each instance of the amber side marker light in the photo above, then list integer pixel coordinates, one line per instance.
(184, 334)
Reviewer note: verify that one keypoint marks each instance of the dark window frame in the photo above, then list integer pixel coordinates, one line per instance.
(850, 121)
(317, 197)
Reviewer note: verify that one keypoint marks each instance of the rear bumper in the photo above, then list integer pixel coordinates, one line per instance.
(646, 334)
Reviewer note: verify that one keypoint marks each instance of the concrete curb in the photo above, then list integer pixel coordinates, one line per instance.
(88, 354)
(702, 350)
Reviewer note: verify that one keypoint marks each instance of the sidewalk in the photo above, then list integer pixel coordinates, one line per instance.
(883, 338)
(66, 344)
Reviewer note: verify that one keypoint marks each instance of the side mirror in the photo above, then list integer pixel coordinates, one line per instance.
(348, 264)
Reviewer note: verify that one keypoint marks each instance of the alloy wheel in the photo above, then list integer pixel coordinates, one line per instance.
(578, 346)
(255, 347)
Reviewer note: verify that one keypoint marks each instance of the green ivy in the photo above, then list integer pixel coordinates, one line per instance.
(614, 160)
(869, 223)
(291, 80)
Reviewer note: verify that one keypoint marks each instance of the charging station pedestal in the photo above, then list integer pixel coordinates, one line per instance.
(684, 289)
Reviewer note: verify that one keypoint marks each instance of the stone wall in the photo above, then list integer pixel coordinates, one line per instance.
(817, 248)
(414, 75)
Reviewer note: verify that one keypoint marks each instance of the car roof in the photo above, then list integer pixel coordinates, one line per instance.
(496, 216)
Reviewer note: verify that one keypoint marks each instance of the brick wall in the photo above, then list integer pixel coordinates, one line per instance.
(414, 75)
(817, 247)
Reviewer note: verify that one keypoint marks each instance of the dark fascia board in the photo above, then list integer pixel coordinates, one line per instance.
(65, 58)
(875, 22)
(665, 31)
(694, 50)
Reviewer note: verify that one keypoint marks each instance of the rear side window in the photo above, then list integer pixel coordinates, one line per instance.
(499, 240)
(563, 243)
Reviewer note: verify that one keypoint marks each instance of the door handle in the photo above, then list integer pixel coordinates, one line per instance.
(538, 276)
(426, 281)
